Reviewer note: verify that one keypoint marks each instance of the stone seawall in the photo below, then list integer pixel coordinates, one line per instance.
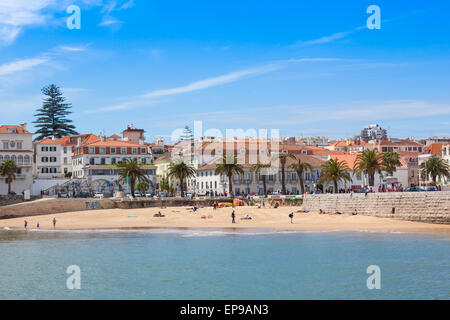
(52, 205)
(7, 200)
(432, 207)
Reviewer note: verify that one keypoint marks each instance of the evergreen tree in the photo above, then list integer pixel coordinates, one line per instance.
(52, 117)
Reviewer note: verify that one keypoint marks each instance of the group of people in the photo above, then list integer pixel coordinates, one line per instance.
(354, 213)
(25, 223)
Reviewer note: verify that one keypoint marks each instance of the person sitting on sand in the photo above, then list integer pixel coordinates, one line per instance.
(247, 217)
(321, 212)
(159, 214)
(276, 205)
(354, 213)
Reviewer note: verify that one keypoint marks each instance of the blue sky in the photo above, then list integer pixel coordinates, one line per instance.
(303, 67)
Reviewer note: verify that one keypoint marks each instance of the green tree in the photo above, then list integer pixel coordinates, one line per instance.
(130, 171)
(52, 116)
(368, 162)
(390, 161)
(335, 171)
(283, 159)
(260, 168)
(228, 167)
(142, 187)
(434, 168)
(299, 167)
(9, 170)
(182, 171)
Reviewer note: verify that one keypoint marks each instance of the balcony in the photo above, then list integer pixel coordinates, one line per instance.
(17, 175)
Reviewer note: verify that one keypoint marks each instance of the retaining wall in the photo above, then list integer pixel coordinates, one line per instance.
(433, 207)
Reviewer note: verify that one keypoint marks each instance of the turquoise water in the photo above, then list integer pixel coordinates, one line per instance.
(196, 264)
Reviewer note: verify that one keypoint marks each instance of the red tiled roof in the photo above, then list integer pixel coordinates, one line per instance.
(435, 148)
(99, 143)
(19, 129)
(48, 141)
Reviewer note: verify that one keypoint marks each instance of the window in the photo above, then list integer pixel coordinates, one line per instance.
(65, 160)
(113, 161)
(19, 145)
(112, 150)
(123, 150)
(91, 149)
(44, 159)
(103, 160)
(135, 150)
(52, 148)
(142, 150)
(52, 159)
(92, 161)
(65, 149)
(5, 145)
(102, 150)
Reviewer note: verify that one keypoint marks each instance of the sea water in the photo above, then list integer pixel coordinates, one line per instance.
(222, 264)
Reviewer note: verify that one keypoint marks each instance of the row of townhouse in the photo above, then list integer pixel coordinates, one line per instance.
(207, 182)
(88, 161)
(206, 153)
(16, 144)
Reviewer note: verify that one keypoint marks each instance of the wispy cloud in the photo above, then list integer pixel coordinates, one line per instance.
(148, 97)
(20, 65)
(17, 14)
(327, 39)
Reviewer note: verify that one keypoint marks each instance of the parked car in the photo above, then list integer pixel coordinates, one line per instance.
(63, 195)
(415, 189)
(99, 195)
(431, 188)
(360, 190)
(149, 195)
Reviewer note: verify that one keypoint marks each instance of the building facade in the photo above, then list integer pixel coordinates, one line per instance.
(16, 144)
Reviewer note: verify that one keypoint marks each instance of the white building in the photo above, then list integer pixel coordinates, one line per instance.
(373, 132)
(16, 144)
(48, 159)
(446, 157)
(96, 163)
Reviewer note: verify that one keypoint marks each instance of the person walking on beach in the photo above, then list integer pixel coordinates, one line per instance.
(233, 216)
(291, 216)
(25, 224)
(54, 223)
(37, 225)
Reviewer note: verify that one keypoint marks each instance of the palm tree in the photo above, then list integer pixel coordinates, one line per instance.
(228, 167)
(435, 167)
(142, 187)
(182, 171)
(283, 159)
(368, 162)
(299, 167)
(130, 171)
(261, 168)
(390, 161)
(9, 169)
(335, 170)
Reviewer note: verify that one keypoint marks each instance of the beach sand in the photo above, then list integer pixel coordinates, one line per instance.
(181, 217)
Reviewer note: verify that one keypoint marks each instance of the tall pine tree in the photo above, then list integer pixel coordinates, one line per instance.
(52, 117)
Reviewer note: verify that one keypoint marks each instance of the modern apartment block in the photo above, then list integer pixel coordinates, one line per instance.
(373, 132)
(16, 144)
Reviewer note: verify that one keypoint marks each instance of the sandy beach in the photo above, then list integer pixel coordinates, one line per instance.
(182, 217)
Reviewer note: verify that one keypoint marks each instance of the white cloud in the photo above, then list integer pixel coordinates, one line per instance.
(148, 97)
(210, 82)
(20, 65)
(15, 15)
